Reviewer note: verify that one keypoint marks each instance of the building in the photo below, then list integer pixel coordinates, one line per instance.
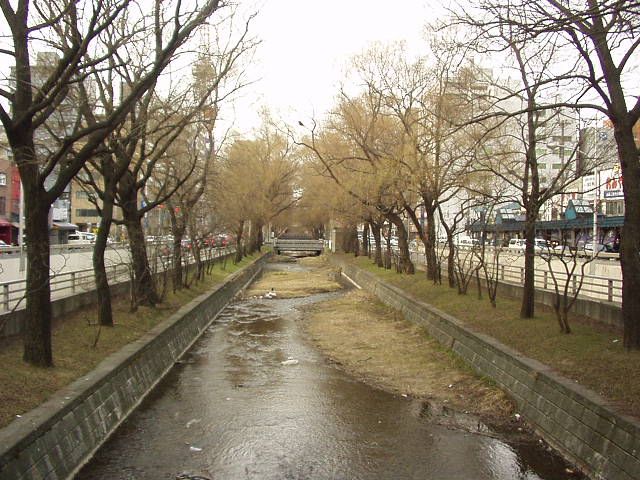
(9, 194)
(84, 213)
(557, 152)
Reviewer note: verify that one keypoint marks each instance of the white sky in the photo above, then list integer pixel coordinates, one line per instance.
(306, 45)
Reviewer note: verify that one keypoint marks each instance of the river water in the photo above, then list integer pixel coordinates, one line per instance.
(231, 409)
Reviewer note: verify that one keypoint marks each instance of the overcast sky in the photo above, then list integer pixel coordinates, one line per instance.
(306, 45)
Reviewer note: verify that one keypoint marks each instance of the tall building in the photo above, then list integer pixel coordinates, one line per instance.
(557, 151)
(58, 125)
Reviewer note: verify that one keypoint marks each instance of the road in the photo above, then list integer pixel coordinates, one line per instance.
(62, 260)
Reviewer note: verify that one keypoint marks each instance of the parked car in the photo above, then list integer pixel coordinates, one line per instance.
(517, 244)
(4, 245)
(81, 238)
(541, 245)
(563, 249)
(589, 246)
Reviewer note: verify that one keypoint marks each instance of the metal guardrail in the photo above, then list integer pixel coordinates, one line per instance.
(72, 282)
(593, 287)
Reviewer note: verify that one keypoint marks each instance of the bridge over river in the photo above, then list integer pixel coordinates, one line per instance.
(254, 399)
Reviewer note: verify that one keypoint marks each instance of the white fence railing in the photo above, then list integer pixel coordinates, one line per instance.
(68, 283)
(593, 286)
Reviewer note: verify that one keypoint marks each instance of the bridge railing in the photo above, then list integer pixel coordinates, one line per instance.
(298, 245)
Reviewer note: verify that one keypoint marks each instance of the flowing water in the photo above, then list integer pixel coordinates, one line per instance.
(253, 399)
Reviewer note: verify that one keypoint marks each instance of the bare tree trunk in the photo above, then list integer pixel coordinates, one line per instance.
(145, 291)
(406, 265)
(239, 252)
(630, 241)
(527, 308)
(178, 274)
(430, 244)
(366, 250)
(260, 237)
(103, 291)
(375, 229)
(37, 328)
(177, 230)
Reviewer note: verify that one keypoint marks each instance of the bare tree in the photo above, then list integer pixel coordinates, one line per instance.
(256, 184)
(567, 279)
(355, 149)
(599, 40)
(39, 99)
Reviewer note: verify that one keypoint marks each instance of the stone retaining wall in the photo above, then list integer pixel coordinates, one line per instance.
(54, 440)
(573, 419)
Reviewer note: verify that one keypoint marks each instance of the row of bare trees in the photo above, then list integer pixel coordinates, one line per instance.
(109, 105)
(412, 133)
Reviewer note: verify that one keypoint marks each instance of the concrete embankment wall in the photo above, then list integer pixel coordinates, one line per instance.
(573, 419)
(54, 440)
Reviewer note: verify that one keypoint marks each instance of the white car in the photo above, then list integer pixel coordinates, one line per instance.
(468, 242)
(82, 238)
(541, 245)
(517, 244)
(588, 247)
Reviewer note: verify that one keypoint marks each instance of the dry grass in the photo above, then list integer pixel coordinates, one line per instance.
(590, 355)
(24, 386)
(291, 283)
(375, 343)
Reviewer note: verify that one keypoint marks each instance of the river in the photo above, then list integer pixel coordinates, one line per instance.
(253, 399)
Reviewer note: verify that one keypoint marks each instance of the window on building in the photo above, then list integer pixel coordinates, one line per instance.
(3, 206)
(82, 195)
(86, 212)
(557, 166)
(615, 208)
(3, 179)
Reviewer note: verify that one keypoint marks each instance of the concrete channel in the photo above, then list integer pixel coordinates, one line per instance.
(236, 390)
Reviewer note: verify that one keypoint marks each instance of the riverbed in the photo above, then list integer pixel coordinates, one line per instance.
(255, 399)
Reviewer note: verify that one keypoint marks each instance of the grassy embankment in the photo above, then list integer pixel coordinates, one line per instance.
(24, 387)
(591, 355)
